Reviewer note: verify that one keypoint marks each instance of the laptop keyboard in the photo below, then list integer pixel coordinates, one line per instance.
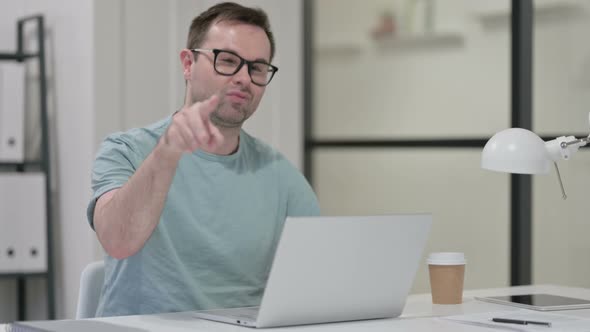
(249, 313)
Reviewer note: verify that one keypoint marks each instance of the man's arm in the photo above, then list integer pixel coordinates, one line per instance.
(301, 199)
(125, 218)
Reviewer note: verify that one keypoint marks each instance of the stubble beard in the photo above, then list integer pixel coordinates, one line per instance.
(234, 121)
(241, 113)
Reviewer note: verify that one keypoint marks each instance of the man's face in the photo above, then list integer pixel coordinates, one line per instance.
(239, 97)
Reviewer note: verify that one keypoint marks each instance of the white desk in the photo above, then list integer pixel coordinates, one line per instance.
(418, 315)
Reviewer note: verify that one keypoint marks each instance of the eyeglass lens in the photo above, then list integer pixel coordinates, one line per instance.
(228, 64)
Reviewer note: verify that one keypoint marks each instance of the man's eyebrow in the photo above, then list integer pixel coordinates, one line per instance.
(256, 60)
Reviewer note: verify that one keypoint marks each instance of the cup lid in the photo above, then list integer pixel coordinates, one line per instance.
(446, 258)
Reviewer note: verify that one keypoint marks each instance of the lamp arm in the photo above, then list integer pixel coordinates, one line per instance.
(563, 147)
(582, 141)
(563, 194)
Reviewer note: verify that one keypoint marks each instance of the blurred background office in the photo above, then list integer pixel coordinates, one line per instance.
(384, 104)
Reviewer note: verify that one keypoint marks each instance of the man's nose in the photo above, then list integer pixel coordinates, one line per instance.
(242, 76)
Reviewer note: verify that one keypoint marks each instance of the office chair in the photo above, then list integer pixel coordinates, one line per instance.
(91, 282)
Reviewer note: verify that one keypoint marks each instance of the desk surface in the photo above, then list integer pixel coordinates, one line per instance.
(417, 315)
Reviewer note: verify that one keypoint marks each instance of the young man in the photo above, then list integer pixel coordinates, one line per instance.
(190, 209)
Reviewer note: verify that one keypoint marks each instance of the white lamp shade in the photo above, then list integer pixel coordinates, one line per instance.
(516, 150)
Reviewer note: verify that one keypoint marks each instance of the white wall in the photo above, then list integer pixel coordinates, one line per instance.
(70, 48)
(114, 65)
(139, 78)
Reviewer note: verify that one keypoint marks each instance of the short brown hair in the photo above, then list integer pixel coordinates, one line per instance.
(228, 11)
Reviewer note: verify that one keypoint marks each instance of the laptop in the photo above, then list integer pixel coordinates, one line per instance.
(334, 269)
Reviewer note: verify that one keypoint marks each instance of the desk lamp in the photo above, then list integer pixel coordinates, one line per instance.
(521, 151)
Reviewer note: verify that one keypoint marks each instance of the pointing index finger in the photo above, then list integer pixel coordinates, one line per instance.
(210, 104)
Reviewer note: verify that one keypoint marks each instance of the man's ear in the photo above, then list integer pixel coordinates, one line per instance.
(186, 59)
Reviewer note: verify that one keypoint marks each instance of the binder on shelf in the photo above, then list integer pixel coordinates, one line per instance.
(23, 239)
(25, 209)
(12, 112)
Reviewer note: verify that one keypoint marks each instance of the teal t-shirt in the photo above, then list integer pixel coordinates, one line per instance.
(218, 230)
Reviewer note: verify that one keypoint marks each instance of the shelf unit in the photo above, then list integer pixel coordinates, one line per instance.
(338, 49)
(42, 164)
(397, 42)
(421, 41)
(500, 12)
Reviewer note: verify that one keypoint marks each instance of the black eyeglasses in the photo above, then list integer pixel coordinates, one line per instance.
(228, 63)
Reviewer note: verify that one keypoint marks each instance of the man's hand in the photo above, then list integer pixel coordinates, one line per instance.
(191, 128)
(125, 218)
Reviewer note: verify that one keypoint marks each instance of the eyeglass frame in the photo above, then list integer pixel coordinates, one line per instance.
(216, 51)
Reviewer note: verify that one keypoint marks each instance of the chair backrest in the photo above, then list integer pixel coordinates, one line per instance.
(91, 282)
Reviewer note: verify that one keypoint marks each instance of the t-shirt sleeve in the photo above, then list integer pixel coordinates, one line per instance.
(302, 200)
(115, 163)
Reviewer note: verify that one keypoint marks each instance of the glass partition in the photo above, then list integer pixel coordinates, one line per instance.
(447, 81)
(469, 206)
(561, 105)
(404, 96)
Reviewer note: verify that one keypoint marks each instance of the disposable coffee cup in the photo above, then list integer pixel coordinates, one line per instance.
(447, 272)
